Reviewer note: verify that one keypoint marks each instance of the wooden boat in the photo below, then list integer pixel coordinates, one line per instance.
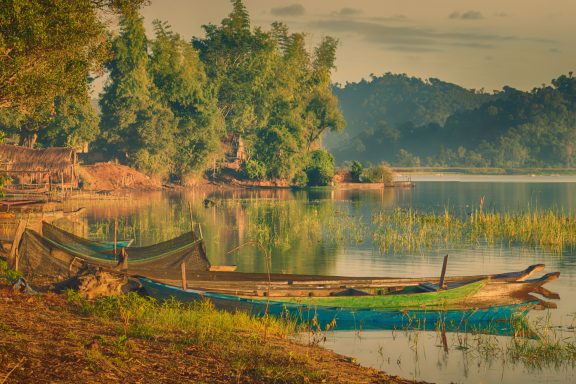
(25, 190)
(19, 203)
(314, 288)
(38, 215)
(404, 312)
(307, 289)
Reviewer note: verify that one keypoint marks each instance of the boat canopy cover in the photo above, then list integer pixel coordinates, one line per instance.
(60, 254)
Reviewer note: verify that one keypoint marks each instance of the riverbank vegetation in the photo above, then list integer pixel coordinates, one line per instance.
(410, 230)
(172, 106)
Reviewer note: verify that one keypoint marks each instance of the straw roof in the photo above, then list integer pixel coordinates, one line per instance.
(15, 158)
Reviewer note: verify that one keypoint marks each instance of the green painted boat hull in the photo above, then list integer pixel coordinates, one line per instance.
(445, 299)
(495, 320)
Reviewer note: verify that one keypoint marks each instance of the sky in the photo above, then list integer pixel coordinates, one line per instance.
(477, 44)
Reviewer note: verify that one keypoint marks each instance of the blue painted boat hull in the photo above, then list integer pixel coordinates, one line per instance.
(495, 319)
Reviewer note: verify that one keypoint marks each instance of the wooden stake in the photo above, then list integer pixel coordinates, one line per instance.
(124, 259)
(13, 256)
(444, 339)
(191, 221)
(202, 244)
(441, 284)
(183, 275)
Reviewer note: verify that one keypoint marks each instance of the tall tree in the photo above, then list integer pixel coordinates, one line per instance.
(183, 86)
(135, 123)
(270, 91)
(48, 48)
(127, 93)
(75, 123)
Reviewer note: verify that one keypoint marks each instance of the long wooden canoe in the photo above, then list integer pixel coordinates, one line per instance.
(284, 287)
(386, 317)
(14, 216)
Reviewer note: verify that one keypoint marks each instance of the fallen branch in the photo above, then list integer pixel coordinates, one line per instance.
(12, 370)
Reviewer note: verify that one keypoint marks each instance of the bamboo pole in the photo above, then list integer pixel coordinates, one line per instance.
(183, 276)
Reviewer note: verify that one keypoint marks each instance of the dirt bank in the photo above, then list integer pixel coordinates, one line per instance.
(111, 176)
(45, 340)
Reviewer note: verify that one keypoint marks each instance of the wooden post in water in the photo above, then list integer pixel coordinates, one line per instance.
(202, 244)
(183, 276)
(115, 239)
(191, 221)
(444, 339)
(441, 284)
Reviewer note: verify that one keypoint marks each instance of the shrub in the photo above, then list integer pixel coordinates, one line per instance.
(378, 174)
(320, 169)
(356, 170)
(300, 179)
(255, 170)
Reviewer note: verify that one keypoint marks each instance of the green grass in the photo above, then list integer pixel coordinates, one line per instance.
(410, 230)
(6, 274)
(238, 339)
(144, 317)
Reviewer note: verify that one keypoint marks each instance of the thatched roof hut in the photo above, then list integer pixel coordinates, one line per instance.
(57, 163)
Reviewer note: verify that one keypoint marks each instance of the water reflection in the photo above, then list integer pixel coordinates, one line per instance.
(329, 232)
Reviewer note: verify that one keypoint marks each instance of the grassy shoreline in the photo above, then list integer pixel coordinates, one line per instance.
(65, 338)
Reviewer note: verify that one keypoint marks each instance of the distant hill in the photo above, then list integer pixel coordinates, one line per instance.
(409, 121)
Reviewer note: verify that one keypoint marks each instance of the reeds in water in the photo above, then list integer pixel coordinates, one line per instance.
(410, 230)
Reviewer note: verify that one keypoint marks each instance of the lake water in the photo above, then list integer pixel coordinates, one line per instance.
(330, 232)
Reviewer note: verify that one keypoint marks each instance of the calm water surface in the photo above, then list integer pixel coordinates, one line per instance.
(329, 232)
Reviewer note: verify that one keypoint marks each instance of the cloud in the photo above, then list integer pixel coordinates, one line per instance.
(348, 12)
(415, 39)
(468, 15)
(289, 10)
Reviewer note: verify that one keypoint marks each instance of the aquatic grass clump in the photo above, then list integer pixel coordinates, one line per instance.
(535, 343)
(410, 230)
(287, 223)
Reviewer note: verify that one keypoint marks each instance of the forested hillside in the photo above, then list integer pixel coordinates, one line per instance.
(411, 122)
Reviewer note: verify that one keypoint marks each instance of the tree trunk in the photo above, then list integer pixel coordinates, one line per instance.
(28, 139)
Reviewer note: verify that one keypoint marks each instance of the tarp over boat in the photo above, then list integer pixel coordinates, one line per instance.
(60, 254)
